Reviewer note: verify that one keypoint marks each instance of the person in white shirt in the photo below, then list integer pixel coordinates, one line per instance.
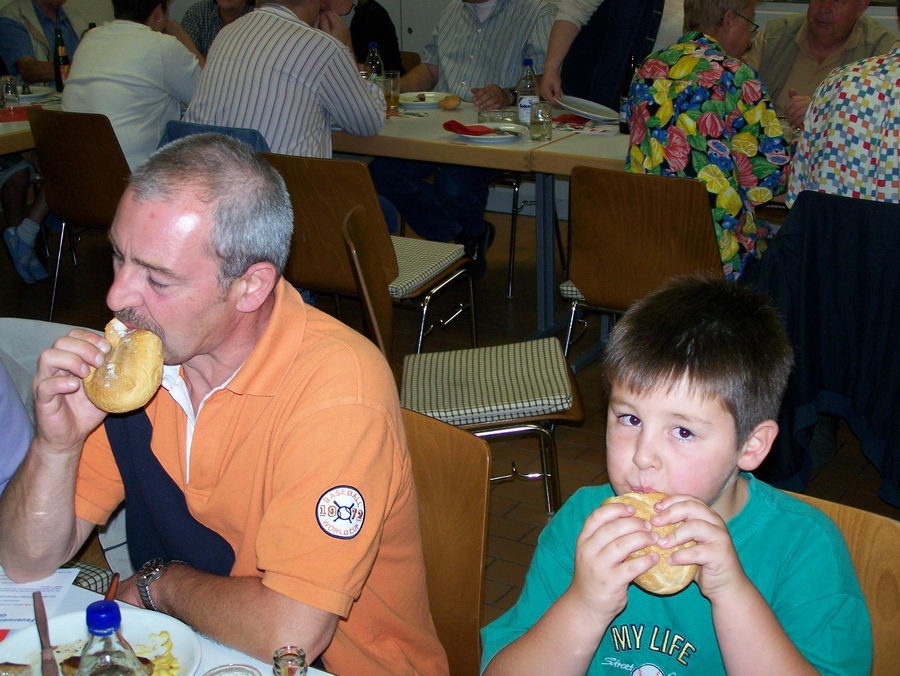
(287, 70)
(135, 73)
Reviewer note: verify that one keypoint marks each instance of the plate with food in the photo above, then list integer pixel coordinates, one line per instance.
(166, 646)
(589, 109)
(422, 99)
(504, 132)
(38, 93)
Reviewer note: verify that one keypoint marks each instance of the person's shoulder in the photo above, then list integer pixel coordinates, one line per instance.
(795, 515)
(874, 31)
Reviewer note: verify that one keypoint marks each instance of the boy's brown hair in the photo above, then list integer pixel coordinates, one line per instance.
(724, 337)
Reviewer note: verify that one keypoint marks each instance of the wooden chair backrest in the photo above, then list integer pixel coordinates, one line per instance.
(452, 473)
(874, 544)
(84, 169)
(322, 192)
(367, 247)
(410, 60)
(631, 232)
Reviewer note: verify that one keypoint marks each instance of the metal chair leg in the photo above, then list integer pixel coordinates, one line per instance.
(473, 329)
(568, 343)
(62, 239)
(513, 222)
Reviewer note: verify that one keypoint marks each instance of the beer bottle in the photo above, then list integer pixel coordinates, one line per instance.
(60, 61)
(627, 77)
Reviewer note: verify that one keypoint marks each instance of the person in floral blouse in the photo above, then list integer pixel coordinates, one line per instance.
(697, 111)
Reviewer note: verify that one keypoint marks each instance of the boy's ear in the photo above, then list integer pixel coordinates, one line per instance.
(757, 445)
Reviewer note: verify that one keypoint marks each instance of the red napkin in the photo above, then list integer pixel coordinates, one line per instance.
(16, 114)
(467, 130)
(571, 119)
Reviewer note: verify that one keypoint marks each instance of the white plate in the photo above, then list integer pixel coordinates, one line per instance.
(409, 99)
(521, 132)
(23, 646)
(38, 92)
(588, 109)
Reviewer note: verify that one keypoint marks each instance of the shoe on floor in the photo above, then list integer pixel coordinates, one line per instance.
(477, 247)
(23, 258)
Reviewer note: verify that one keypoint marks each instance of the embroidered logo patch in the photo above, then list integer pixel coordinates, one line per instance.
(341, 512)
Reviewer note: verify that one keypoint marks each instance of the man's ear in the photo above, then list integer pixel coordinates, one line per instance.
(254, 286)
(757, 445)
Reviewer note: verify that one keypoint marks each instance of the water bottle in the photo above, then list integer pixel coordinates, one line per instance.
(374, 64)
(527, 92)
(107, 653)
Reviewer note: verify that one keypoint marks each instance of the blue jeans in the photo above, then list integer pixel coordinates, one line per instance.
(451, 207)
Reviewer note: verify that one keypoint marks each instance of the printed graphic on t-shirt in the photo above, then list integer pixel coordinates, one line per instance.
(674, 650)
(341, 511)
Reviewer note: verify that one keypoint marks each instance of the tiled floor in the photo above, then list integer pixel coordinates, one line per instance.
(517, 514)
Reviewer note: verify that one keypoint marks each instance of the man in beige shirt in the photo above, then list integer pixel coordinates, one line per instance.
(793, 54)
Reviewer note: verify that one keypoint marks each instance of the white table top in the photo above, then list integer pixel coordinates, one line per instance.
(606, 151)
(213, 654)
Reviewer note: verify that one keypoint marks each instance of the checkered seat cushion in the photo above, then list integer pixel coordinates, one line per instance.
(488, 384)
(420, 260)
(569, 291)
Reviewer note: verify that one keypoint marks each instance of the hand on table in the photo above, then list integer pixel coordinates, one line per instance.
(491, 96)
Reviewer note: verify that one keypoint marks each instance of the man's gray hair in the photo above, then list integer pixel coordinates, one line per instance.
(704, 14)
(252, 216)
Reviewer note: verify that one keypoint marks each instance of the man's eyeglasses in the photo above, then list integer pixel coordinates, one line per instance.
(755, 25)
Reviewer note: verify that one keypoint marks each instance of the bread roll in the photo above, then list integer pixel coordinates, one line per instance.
(132, 373)
(449, 102)
(664, 578)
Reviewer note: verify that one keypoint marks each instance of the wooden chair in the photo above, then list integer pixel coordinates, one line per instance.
(874, 544)
(452, 471)
(84, 170)
(322, 192)
(519, 388)
(629, 234)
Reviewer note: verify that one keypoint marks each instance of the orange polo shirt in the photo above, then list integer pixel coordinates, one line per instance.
(300, 463)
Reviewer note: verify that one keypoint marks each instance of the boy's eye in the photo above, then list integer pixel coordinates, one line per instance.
(629, 420)
(683, 433)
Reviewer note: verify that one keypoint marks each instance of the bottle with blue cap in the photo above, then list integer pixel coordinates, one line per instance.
(107, 653)
(374, 64)
(526, 92)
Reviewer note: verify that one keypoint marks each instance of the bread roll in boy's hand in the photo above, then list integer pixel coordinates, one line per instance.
(664, 577)
(132, 372)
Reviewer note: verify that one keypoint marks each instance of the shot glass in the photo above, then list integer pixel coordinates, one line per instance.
(9, 91)
(490, 115)
(390, 84)
(541, 121)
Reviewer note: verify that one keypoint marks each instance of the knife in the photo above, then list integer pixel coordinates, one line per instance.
(48, 660)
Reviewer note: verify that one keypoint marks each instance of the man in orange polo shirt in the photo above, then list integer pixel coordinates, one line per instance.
(268, 482)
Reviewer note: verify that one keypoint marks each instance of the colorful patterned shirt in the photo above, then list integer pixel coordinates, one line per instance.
(696, 112)
(851, 137)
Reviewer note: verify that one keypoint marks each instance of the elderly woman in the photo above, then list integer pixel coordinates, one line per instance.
(696, 110)
(135, 73)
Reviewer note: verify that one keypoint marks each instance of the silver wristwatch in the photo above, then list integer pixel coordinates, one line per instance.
(146, 575)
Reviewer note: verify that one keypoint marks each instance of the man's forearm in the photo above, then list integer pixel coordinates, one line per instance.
(562, 35)
(421, 78)
(35, 71)
(240, 612)
(37, 516)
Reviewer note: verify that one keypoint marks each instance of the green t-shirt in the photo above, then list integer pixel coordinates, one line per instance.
(793, 553)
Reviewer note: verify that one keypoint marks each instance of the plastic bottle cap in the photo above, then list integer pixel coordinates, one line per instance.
(528, 62)
(103, 617)
(373, 45)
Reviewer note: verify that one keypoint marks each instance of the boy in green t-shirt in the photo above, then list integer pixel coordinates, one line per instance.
(696, 372)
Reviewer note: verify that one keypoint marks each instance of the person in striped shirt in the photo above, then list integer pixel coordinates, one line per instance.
(476, 52)
(288, 71)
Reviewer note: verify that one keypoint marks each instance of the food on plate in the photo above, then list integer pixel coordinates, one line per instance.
(158, 648)
(449, 102)
(420, 98)
(13, 669)
(664, 578)
(132, 372)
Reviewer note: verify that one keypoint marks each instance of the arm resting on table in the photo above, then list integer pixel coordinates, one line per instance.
(422, 78)
(238, 611)
(33, 70)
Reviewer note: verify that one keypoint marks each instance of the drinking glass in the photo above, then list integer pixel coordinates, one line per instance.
(390, 84)
(9, 90)
(541, 121)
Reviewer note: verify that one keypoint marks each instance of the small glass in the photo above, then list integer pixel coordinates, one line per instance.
(233, 670)
(541, 121)
(790, 133)
(9, 91)
(507, 114)
(390, 85)
(289, 661)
